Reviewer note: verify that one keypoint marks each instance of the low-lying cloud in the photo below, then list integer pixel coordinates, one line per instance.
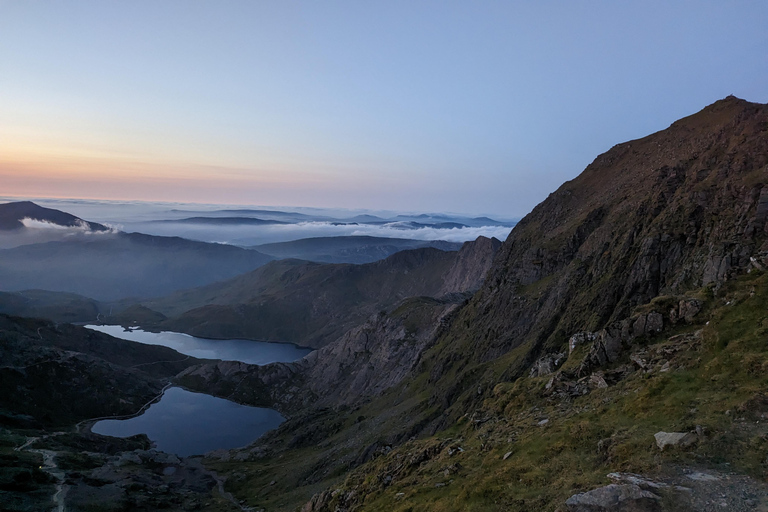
(40, 231)
(255, 235)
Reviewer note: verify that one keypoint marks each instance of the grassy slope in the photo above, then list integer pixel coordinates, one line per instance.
(718, 384)
(716, 381)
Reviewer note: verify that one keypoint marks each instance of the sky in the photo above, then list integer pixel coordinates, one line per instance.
(476, 107)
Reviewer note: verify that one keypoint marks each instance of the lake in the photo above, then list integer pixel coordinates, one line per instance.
(187, 423)
(247, 351)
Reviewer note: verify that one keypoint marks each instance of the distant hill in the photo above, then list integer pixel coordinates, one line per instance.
(116, 265)
(348, 249)
(56, 306)
(312, 303)
(12, 214)
(225, 221)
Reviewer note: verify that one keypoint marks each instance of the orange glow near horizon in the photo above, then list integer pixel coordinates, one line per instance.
(56, 174)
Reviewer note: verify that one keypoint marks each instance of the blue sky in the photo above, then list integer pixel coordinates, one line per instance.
(473, 107)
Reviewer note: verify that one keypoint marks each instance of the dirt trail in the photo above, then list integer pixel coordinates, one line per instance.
(50, 467)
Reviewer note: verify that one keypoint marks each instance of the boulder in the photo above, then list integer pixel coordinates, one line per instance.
(128, 458)
(547, 364)
(654, 322)
(688, 308)
(615, 498)
(666, 440)
(580, 338)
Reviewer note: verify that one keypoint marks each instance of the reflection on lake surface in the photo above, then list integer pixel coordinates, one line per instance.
(247, 351)
(187, 423)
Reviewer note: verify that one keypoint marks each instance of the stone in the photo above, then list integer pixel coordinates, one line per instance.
(698, 476)
(546, 365)
(654, 322)
(688, 308)
(666, 440)
(615, 498)
(165, 458)
(580, 338)
(128, 458)
(635, 479)
(638, 327)
(597, 380)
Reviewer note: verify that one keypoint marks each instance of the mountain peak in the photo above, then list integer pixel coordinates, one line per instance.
(12, 215)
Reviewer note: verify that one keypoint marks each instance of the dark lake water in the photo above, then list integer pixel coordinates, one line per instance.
(187, 423)
(247, 351)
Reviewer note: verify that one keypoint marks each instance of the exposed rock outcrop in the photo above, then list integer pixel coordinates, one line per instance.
(615, 498)
(378, 354)
(666, 440)
(471, 265)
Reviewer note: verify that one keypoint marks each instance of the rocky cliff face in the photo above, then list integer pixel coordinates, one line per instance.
(675, 210)
(471, 266)
(376, 355)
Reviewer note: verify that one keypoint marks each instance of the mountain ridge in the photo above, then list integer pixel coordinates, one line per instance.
(666, 227)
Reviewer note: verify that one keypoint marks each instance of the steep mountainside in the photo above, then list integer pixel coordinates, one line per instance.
(313, 304)
(668, 213)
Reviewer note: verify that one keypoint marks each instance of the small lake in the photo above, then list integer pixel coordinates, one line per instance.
(247, 351)
(187, 423)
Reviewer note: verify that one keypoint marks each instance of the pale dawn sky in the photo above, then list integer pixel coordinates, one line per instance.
(478, 107)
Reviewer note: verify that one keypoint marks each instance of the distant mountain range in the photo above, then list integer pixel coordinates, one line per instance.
(116, 265)
(311, 303)
(225, 221)
(96, 262)
(438, 221)
(348, 249)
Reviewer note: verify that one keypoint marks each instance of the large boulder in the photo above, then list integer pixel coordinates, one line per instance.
(615, 498)
(665, 440)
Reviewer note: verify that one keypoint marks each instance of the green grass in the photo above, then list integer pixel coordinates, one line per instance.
(715, 385)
